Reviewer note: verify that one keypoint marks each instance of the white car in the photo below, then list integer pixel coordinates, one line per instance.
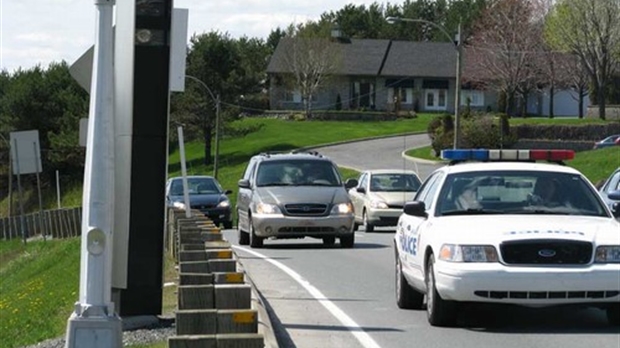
(512, 231)
(380, 195)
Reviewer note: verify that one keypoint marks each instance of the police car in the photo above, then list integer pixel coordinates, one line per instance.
(501, 227)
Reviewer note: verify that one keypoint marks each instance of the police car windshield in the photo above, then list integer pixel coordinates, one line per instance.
(517, 192)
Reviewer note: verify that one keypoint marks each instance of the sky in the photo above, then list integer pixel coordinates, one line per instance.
(38, 32)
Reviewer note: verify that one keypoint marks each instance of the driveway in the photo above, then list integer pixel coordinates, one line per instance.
(381, 153)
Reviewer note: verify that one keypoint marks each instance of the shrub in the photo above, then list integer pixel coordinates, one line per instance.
(484, 132)
(433, 125)
(441, 132)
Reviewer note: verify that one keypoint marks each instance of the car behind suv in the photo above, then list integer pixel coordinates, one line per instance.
(294, 195)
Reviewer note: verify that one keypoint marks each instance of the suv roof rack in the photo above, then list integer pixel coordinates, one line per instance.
(309, 152)
(291, 152)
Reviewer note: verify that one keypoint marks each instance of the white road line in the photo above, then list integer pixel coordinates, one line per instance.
(351, 325)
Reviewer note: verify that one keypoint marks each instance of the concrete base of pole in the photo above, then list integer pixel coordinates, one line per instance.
(94, 332)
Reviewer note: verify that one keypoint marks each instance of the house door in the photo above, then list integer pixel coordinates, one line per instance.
(436, 99)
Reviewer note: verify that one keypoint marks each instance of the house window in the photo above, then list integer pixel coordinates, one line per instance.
(405, 95)
(436, 99)
(295, 97)
(476, 98)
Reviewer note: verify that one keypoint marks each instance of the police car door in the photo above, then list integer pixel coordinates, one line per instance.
(413, 229)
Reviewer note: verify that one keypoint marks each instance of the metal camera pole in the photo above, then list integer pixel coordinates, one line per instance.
(94, 322)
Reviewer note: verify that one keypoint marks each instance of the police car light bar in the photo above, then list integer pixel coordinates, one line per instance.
(507, 155)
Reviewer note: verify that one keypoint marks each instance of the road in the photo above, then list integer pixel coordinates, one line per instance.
(341, 298)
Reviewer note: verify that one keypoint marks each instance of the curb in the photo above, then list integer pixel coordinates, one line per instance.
(265, 327)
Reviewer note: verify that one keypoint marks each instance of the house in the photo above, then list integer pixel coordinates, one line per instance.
(390, 75)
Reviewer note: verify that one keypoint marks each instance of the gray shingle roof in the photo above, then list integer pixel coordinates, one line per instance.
(359, 57)
(383, 58)
(420, 59)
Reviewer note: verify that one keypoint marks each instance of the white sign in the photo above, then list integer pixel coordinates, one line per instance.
(25, 152)
(178, 49)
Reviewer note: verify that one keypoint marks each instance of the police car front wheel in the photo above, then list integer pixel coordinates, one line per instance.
(438, 311)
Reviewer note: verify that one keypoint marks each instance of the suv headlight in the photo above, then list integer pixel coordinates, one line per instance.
(607, 254)
(223, 204)
(468, 253)
(375, 204)
(342, 209)
(266, 208)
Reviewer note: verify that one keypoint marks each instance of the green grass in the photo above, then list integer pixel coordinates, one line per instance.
(597, 165)
(38, 287)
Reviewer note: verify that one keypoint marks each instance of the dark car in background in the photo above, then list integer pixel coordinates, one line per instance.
(612, 140)
(205, 195)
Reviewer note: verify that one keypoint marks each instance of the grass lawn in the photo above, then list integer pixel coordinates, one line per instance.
(39, 285)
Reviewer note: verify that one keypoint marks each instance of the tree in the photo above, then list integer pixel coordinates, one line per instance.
(310, 61)
(591, 30)
(575, 76)
(233, 68)
(502, 50)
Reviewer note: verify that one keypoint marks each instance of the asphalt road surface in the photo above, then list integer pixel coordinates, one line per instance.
(332, 297)
(380, 154)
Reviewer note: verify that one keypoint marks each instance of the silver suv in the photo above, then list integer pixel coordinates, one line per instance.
(294, 195)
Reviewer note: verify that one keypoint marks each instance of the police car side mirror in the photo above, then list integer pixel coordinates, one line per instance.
(361, 190)
(244, 183)
(415, 208)
(227, 192)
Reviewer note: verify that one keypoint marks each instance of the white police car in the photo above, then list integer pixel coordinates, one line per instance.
(507, 230)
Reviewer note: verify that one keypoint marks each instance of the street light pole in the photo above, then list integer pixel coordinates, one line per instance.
(216, 99)
(457, 97)
(458, 47)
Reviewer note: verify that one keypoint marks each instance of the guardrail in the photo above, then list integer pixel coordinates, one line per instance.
(57, 223)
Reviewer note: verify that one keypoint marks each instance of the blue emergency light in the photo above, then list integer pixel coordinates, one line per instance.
(506, 155)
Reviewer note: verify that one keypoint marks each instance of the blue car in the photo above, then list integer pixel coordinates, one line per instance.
(612, 140)
(205, 195)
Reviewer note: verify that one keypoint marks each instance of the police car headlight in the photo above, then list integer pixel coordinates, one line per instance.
(607, 254)
(468, 253)
(223, 204)
(342, 209)
(378, 204)
(179, 205)
(265, 208)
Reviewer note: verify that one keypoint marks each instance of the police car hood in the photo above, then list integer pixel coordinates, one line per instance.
(281, 195)
(494, 229)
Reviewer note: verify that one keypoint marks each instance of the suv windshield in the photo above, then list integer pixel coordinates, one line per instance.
(297, 173)
(517, 192)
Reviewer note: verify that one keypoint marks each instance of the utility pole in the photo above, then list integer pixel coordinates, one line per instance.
(216, 157)
(218, 108)
(457, 97)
